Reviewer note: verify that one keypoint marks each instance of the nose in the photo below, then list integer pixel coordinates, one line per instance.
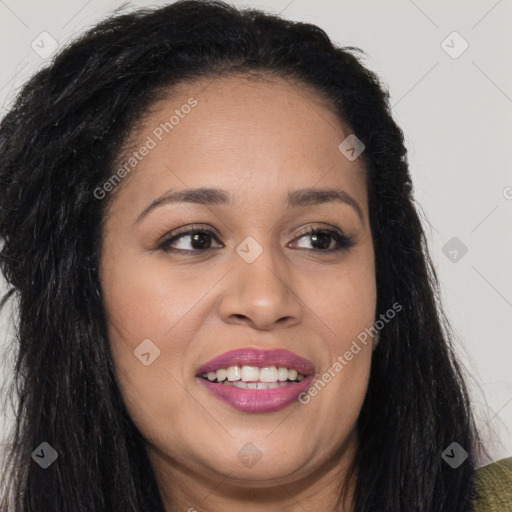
(261, 294)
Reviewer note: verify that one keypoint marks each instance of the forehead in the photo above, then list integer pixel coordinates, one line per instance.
(258, 136)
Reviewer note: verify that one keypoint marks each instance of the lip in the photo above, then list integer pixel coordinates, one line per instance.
(257, 357)
(258, 400)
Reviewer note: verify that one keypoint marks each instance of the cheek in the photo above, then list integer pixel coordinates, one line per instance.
(152, 398)
(148, 371)
(151, 309)
(346, 307)
(144, 301)
(345, 300)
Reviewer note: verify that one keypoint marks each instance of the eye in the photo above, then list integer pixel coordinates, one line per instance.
(324, 239)
(199, 239)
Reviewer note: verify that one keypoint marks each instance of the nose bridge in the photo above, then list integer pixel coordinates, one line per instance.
(260, 288)
(262, 266)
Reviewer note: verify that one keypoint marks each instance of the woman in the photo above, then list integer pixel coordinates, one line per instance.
(225, 297)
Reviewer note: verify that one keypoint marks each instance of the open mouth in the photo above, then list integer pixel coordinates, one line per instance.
(253, 377)
(253, 380)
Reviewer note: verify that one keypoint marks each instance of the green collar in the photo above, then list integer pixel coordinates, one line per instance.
(494, 487)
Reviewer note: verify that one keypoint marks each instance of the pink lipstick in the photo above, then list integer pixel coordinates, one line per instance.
(256, 380)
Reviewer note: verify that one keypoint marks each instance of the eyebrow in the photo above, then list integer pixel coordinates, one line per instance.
(215, 196)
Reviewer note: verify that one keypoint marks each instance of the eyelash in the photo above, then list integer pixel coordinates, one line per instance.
(344, 241)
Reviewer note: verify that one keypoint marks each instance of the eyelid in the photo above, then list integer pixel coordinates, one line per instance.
(191, 227)
(314, 227)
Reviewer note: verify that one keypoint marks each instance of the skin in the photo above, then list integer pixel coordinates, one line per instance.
(257, 139)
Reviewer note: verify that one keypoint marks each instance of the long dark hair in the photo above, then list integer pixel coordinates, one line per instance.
(60, 141)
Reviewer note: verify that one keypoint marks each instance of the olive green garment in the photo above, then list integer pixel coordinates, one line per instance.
(494, 487)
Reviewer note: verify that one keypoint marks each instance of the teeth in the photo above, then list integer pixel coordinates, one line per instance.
(268, 374)
(222, 374)
(246, 385)
(292, 374)
(282, 373)
(255, 385)
(250, 373)
(233, 373)
(253, 375)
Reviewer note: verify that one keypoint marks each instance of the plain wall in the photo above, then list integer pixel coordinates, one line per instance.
(455, 108)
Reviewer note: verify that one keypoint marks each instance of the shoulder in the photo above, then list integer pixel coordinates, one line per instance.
(493, 485)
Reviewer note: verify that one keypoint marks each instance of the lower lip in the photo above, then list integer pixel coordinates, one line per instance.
(258, 400)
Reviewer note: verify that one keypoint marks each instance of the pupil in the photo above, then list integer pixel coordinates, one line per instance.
(199, 237)
(323, 236)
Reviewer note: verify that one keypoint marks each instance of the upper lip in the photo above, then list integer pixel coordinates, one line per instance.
(258, 357)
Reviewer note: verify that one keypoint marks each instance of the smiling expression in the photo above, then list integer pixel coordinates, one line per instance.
(245, 227)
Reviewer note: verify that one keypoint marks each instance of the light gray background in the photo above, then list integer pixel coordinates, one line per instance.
(456, 114)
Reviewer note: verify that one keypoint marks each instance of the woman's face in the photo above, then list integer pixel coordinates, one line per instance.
(247, 277)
